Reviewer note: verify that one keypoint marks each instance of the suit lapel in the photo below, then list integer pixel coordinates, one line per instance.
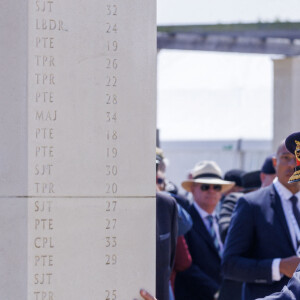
(277, 206)
(200, 228)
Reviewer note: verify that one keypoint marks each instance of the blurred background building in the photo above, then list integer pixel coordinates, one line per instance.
(236, 95)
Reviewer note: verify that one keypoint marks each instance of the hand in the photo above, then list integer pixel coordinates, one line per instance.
(216, 295)
(145, 295)
(289, 265)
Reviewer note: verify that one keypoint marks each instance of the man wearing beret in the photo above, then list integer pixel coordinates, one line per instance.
(292, 290)
(202, 280)
(264, 236)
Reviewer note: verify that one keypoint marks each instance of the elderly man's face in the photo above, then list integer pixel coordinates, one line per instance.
(206, 199)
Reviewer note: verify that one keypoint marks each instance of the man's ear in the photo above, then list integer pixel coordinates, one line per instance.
(262, 176)
(274, 161)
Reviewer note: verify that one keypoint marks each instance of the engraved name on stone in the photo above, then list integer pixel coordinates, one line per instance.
(43, 244)
(49, 24)
(45, 116)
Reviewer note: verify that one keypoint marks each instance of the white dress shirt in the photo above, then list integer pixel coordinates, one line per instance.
(203, 214)
(285, 195)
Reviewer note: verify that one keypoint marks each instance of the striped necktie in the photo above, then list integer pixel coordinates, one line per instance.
(213, 234)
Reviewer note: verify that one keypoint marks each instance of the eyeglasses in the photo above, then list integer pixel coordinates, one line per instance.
(205, 187)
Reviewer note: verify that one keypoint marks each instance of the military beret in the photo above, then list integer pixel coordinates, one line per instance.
(234, 175)
(251, 180)
(292, 143)
(268, 167)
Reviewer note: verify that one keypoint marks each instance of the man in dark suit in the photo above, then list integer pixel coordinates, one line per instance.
(263, 237)
(166, 237)
(202, 280)
(250, 181)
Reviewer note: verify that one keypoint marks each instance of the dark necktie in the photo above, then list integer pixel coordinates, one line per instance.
(213, 234)
(296, 212)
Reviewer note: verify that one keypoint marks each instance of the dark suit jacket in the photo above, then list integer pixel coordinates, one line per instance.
(289, 292)
(258, 233)
(230, 289)
(166, 237)
(202, 280)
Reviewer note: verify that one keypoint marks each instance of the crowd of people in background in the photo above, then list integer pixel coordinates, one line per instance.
(231, 237)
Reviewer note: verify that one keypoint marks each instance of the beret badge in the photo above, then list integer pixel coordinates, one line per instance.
(292, 143)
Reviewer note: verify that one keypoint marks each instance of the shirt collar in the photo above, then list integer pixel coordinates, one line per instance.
(203, 214)
(283, 192)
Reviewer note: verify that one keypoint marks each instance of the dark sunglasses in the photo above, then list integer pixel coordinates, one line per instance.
(160, 181)
(205, 187)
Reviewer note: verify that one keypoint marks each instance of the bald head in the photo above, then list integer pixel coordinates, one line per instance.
(281, 148)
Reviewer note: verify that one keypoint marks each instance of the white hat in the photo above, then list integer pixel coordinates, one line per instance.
(207, 172)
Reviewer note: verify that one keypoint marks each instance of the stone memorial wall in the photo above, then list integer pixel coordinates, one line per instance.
(78, 194)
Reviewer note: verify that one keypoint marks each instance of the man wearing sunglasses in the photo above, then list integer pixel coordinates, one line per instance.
(202, 280)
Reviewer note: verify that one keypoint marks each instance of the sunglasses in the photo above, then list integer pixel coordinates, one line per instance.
(160, 181)
(205, 187)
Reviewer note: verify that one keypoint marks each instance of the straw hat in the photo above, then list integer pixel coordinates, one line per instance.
(207, 172)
